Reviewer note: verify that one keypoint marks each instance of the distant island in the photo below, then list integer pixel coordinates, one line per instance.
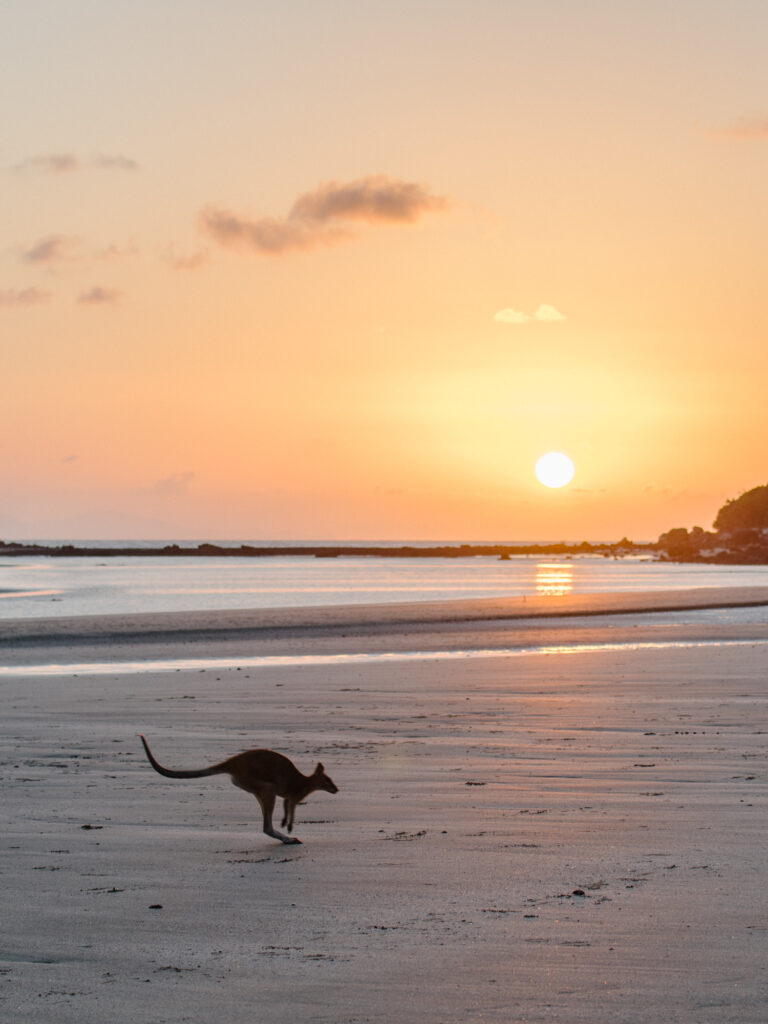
(739, 537)
(502, 551)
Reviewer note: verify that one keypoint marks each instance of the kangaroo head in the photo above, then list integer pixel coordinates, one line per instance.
(324, 781)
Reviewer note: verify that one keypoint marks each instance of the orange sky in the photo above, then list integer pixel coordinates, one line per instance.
(347, 270)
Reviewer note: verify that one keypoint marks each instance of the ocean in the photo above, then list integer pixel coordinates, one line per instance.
(35, 587)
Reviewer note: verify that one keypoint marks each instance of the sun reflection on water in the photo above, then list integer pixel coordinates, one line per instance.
(554, 579)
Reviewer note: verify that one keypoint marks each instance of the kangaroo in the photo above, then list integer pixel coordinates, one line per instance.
(267, 775)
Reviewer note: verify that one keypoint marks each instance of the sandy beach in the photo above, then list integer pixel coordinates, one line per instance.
(569, 836)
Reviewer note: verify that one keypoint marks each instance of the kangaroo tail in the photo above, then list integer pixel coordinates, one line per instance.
(169, 774)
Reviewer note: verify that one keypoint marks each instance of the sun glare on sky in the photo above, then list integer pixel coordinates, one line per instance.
(554, 470)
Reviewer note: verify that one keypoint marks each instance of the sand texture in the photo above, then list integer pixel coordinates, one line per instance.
(572, 837)
(487, 623)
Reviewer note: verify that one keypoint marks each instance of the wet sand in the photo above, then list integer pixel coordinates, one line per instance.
(514, 622)
(535, 837)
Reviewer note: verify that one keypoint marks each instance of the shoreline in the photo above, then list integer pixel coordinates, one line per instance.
(202, 664)
(414, 613)
(481, 624)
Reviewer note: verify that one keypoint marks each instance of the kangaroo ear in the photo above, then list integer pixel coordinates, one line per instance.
(319, 768)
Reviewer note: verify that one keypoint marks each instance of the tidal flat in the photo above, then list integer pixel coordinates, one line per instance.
(576, 835)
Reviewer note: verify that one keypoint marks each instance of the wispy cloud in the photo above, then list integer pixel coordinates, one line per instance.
(266, 235)
(373, 199)
(64, 163)
(545, 313)
(511, 316)
(745, 128)
(115, 251)
(98, 296)
(50, 163)
(115, 162)
(548, 314)
(23, 297)
(51, 249)
(322, 217)
(184, 261)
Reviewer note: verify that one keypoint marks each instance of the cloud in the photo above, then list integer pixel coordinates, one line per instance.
(23, 297)
(50, 163)
(321, 217)
(548, 314)
(54, 249)
(185, 261)
(50, 249)
(98, 296)
(267, 235)
(114, 163)
(511, 316)
(113, 251)
(63, 163)
(545, 314)
(374, 199)
(745, 128)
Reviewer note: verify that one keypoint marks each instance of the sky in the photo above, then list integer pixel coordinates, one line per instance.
(345, 269)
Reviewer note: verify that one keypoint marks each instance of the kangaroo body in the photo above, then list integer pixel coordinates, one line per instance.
(265, 774)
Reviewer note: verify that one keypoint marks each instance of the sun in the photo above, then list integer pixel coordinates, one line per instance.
(554, 470)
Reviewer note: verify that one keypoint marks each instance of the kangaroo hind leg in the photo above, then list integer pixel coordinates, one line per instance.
(267, 801)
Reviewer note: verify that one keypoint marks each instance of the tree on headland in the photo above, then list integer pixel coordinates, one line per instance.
(747, 512)
(675, 542)
(679, 543)
(741, 536)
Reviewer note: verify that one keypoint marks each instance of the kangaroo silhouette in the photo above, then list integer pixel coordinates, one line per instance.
(266, 775)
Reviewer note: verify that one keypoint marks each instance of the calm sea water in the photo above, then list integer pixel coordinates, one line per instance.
(37, 587)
